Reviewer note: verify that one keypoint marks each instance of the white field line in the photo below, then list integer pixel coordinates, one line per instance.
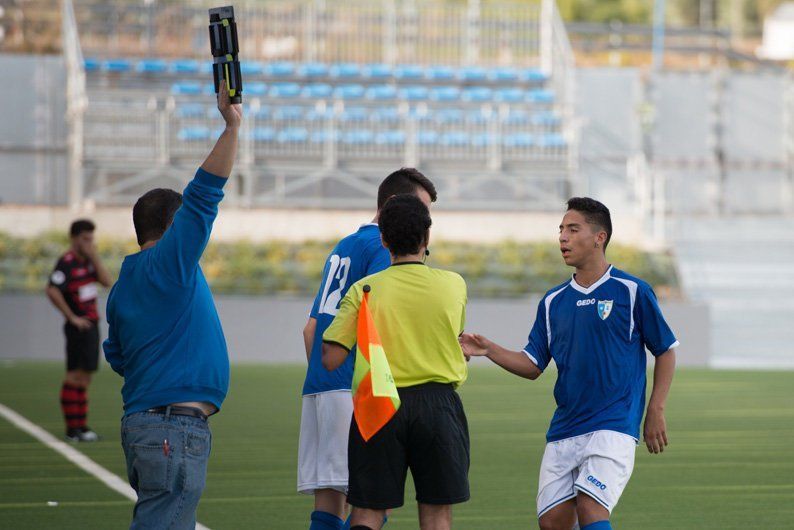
(110, 480)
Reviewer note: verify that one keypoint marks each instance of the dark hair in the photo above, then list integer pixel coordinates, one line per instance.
(404, 180)
(153, 213)
(595, 213)
(404, 221)
(80, 226)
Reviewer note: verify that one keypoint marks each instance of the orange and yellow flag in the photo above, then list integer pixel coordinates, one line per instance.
(375, 398)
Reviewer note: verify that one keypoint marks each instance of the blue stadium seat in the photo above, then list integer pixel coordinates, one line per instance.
(185, 66)
(476, 117)
(413, 93)
(311, 70)
(548, 119)
(117, 65)
(186, 88)
(280, 69)
(477, 93)
(472, 73)
(385, 115)
(292, 135)
(503, 74)
(345, 70)
(349, 92)
(317, 91)
(319, 114)
(445, 93)
(425, 137)
(440, 73)
(552, 140)
(191, 110)
(448, 116)
(251, 68)
(509, 94)
(409, 71)
(320, 136)
(263, 134)
(358, 137)
(255, 88)
(516, 117)
(540, 96)
(381, 92)
(151, 66)
(263, 112)
(206, 67)
(390, 137)
(91, 64)
(454, 139)
(208, 89)
(288, 112)
(193, 134)
(518, 140)
(283, 90)
(533, 75)
(420, 114)
(354, 114)
(483, 139)
(377, 71)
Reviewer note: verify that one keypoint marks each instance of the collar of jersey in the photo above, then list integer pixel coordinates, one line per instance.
(596, 285)
(406, 263)
(367, 224)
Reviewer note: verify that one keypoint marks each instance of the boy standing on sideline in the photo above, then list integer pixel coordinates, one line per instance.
(166, 340)
(595, 327)
(72, 290)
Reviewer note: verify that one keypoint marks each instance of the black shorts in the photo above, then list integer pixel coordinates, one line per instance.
(430, 435)
(82, 348)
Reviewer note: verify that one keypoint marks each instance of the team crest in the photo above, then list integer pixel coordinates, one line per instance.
(604, 308)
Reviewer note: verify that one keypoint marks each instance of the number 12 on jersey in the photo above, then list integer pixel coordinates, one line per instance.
(338, 269)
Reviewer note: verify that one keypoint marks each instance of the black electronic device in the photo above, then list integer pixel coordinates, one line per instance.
(224, 48)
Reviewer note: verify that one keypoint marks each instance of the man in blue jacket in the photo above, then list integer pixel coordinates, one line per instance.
(166, 340)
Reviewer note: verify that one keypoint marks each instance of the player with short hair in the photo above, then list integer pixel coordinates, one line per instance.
(72, 290)
(327, 404)
(419, 312)
(595, 327)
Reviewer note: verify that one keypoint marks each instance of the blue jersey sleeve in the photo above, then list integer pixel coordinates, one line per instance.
(315, 312)
(537, 347)
(655, 334)
(179, 250)
(111, 346)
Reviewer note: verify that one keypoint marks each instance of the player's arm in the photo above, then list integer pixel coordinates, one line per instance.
(308, 336)
(56, 297)
(180, 249)
(334, 354)
(340, 337)
(515, 362)
(655, 431)
(111, 346)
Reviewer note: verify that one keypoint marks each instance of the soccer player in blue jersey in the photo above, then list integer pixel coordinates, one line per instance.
(327, 403)
(595, 327)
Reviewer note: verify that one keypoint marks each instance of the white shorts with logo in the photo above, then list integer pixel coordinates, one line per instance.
(322, 450)
(598, 464)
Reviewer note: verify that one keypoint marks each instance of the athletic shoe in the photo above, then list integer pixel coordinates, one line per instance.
(81, 435)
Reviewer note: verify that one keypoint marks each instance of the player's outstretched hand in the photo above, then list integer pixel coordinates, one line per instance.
(474, 345)
(655, 431)
(232, 113)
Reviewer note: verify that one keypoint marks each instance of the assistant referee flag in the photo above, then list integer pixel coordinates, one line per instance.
(375, 398)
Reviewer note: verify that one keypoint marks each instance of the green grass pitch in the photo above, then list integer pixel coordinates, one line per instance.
(729, 465)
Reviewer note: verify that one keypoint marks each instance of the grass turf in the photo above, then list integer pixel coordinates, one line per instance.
(729, 464)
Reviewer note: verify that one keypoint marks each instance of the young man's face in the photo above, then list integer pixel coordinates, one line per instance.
(580, 241)
(83, 242)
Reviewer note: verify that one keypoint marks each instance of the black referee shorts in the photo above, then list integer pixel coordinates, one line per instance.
(429, 435)
(82, 348)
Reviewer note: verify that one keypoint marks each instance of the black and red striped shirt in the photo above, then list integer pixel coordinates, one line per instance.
(77, 280)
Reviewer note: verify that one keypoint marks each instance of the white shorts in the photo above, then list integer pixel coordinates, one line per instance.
(322, 450)
(597, 463)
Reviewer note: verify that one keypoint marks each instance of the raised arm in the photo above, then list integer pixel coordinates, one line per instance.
(515, 362)
(181, 247)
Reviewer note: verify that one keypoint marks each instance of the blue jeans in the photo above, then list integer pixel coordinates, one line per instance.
(168, 477)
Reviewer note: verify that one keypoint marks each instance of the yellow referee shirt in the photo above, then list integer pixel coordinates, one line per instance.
(419, 312)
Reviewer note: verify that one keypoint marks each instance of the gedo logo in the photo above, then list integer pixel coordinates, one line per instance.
(588, 301)
(598, 483)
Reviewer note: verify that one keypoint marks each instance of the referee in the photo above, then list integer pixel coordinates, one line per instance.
(419, 313)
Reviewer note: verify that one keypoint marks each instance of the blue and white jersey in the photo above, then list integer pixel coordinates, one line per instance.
(597, 337)
(356, 256)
